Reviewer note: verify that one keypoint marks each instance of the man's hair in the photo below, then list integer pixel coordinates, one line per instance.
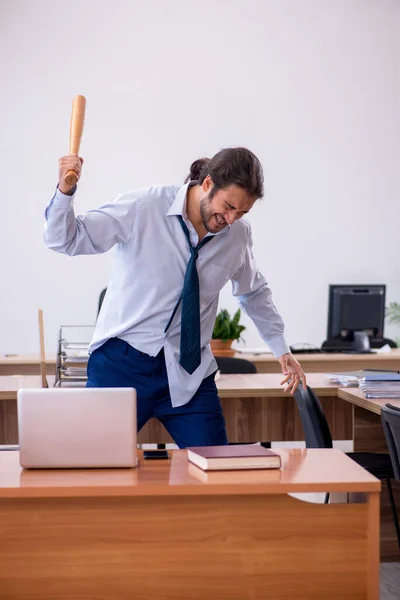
(230, 166)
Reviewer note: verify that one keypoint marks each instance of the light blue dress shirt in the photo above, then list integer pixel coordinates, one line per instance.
(150, 258)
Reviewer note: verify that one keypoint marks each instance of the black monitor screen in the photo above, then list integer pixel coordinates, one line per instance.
(356, 308)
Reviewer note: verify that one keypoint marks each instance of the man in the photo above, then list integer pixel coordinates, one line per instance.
(176, 248)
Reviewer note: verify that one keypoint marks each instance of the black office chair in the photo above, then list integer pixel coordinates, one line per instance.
(391, 427)
(317, 435)
(101, 298)
(229, 365)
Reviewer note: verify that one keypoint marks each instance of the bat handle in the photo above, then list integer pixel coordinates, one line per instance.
(71, 178)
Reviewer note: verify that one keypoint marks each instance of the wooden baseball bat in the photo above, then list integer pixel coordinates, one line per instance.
(75, 135)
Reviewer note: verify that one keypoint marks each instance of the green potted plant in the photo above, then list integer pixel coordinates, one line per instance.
(393, 315)
(226, 330)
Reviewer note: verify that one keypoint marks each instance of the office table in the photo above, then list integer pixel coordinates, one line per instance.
(257, 409)
(169, 530)
(357, 397)
(329, 362)
(368, 436)
(29, 364)
(25, 364)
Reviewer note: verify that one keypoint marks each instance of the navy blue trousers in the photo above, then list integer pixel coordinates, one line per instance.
(198, 423)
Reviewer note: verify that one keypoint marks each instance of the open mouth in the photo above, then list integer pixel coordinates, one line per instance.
(220, 220)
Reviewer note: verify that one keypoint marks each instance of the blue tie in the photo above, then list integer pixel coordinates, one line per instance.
(190, 357)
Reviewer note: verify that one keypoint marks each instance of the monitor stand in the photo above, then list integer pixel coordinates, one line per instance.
(361, 343)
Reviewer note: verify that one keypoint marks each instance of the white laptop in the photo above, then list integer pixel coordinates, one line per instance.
(77, 428)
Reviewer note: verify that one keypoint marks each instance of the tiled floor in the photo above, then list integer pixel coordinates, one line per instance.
(390, 581)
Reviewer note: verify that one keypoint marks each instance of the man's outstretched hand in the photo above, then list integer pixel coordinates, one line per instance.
(293, 373)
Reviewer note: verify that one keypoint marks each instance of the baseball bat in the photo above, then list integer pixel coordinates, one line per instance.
(75, 134)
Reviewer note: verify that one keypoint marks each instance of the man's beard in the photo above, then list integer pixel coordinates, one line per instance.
(205, 213)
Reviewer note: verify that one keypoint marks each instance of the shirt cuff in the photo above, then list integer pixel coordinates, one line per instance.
(60, 201)
(64, 200)
(278, 346)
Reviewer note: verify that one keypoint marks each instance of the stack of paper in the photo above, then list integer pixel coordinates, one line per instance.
(353, 378)
(342, 379)
(381, 386)
(73, 355)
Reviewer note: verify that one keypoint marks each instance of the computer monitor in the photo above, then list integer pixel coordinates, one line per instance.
(356, 317)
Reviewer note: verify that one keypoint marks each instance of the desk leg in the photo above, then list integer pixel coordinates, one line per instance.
(369, 437)
(373, 545)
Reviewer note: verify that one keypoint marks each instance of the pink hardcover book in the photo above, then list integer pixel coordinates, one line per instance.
(240, 456)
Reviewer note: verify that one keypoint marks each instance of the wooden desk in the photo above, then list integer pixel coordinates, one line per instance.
(357, 397)
(368, 433)
(229, 386)
(10, 384)
(368, 436)
(29, 364)
(255, 408)
(262, 385)
(161, 531)
(327, 362)
(25, 364)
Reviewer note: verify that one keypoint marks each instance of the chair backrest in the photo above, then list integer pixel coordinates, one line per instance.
(391, 426)
(315, 426)
(230, 365)
(101, 298)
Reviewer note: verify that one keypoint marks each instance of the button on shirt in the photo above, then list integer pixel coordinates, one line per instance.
(150, 259)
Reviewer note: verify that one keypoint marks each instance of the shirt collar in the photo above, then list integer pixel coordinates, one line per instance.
(178, 207)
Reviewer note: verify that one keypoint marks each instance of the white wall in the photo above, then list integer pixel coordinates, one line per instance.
(311, 86)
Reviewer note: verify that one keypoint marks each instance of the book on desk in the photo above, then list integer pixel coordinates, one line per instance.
(238, 456)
